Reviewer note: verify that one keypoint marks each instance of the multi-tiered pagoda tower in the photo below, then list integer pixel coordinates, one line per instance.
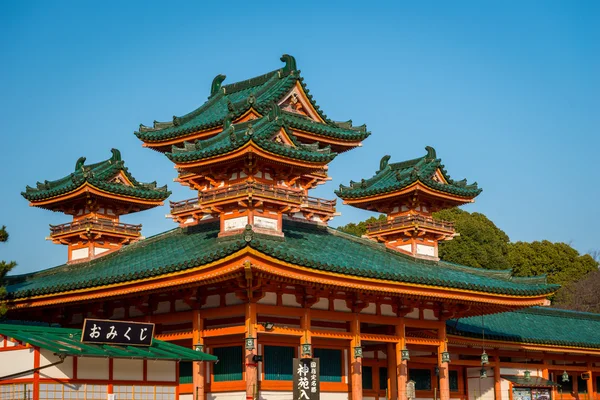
(408, 193)
(253, 151)
(96, 195)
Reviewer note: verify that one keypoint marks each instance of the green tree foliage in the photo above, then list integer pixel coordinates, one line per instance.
(5, 267)
(562, 263)
(480, 243)
(361, 228)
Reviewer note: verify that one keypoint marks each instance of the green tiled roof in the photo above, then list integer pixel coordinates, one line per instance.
(228, 102)
(396, 176)
(64, 341)
(260, 131)
(99, 175)
(535, 325)
(305, 244)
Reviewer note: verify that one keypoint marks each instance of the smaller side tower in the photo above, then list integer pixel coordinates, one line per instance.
(408, 193)
(96, 195)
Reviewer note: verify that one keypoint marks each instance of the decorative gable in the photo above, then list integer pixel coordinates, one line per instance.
(297, 102)
(121, 179)
(281, 137)
(439, 177)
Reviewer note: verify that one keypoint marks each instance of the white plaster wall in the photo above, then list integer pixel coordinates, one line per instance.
(504, 389)
(480, 389)
(289, 300)
(429, 315)
(181, 305)
(518, 371)
(212, 301)
(226, 396)
(426, 250)
(269, 298)
(64, 370)
(406, 247)
(163, 307)
(334, 395)
(162, 371)
(368, 398)
(12, 361)
(322, 304)
(370, 309)
(92, 368)
(128, 370)
(414, 314)
(80, 253)
(187, 396)
(272, 395)
(231, 299)
(386, 309)
(340, 305)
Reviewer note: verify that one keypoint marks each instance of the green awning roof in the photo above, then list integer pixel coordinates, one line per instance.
(534, 381)
(64, 341)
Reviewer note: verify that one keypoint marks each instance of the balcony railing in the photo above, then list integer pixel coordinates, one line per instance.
(97, 225)
(254, 189)
(411, 220)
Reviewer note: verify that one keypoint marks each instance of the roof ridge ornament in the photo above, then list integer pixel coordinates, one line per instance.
(79, 164)
(431, 154)
(116, 155)
(290, 64)
(248, 233)
(383, 163)
(216, 84)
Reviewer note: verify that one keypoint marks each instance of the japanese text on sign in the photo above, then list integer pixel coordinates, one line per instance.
(306, 379)
(104, 331)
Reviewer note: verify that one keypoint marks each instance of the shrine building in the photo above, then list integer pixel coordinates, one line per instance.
(253, 275)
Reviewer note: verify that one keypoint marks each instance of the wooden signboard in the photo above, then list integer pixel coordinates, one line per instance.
(306, 379)
(126, 333)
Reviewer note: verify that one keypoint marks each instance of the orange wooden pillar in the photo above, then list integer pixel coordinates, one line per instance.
(198, 374)
(305, 326)
(392, 381)
(497, 383)
(36, 374)
(251, 367)
(356, 370)
(401, 366)
(444, 373)
(590, 383)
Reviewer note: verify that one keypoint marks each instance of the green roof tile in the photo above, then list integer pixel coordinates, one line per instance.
(228, 102)
(260, 131)
(99, 175)
(307, 245)
(65, 341)
(535, 325)
(396, 176)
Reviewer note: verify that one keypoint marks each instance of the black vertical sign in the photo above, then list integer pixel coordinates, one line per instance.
(306, 379)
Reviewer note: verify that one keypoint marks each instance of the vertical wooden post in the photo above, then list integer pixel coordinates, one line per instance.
(497, 382)
(444, 374)
(590, 383)
(392, 381)
(251, 367)
(402, 366)
(36, 374)
(305, 326)
(575, 392)
(356, 370)
(198, 374)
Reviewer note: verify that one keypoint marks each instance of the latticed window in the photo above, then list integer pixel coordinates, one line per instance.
(453, 380)
(383, 378)
(278, 363)
(330, 364)
(16, 391)
(71, 391)
(367, 377)
(422, 378)
(229, 367)
(137, 392)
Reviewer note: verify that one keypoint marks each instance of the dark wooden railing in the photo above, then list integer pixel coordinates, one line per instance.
(96, 224)
(410, 220)
(256, 189)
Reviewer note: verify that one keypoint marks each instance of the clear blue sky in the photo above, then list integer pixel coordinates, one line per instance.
(508, 93)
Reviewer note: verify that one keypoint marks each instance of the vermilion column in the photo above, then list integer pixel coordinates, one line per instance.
(590, 383)
(497, 383)
(251, 367)
(401, 366)
(392, 381)
(356, 370)
(444, 379)
(198, 374)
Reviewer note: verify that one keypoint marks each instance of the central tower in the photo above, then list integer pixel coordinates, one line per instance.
(253, 151)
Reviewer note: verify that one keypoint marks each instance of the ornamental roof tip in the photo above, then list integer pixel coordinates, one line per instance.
(396, 176)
